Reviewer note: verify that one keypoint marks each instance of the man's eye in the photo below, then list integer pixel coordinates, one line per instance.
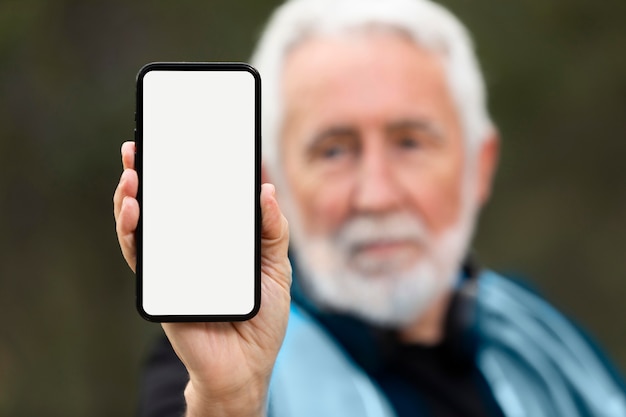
(333, 152)
(408, 143)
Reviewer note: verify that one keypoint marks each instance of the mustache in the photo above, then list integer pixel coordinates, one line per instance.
(364, 230)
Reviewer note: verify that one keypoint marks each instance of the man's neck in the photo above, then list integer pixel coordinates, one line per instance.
(428, 329)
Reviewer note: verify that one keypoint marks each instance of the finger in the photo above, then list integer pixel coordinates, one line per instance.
(274, 224)
(125, 227)
(128, 154)
(274, 237)
(127, 187)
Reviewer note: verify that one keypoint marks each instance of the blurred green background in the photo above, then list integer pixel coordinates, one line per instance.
(71, 342)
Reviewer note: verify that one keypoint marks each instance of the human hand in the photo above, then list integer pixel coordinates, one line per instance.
(126, 207)
(229, 364)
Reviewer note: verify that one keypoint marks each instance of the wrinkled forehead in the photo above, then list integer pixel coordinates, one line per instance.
(360, 72)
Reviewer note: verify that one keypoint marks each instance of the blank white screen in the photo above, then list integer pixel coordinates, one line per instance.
(198, 184)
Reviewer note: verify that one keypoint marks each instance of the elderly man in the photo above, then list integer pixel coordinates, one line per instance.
(378, 139)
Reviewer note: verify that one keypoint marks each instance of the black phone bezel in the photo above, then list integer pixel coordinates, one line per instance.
(199, 66)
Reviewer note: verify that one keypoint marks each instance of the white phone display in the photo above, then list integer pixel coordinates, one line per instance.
(198, 161)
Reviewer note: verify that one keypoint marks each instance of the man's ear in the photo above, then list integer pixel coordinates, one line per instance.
(488, 157)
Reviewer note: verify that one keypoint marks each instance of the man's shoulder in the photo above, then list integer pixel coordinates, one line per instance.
(530, 348)
(506, 301)
(513, 298)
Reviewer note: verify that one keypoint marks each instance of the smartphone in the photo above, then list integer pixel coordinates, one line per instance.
(198, 158)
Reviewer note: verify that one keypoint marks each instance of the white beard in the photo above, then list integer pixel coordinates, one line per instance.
(385, 293)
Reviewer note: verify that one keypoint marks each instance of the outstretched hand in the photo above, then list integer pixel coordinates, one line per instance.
(229, 364)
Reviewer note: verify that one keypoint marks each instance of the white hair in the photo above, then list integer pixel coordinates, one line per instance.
(428, 24)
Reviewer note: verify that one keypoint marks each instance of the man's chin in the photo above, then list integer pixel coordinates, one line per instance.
(386, 300)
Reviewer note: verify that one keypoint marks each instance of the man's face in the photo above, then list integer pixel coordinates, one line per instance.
(374, 161)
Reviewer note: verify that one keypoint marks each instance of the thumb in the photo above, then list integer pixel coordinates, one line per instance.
(274, 231)
(274, 227)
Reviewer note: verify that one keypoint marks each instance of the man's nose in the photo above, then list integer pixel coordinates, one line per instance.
(376, 190)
